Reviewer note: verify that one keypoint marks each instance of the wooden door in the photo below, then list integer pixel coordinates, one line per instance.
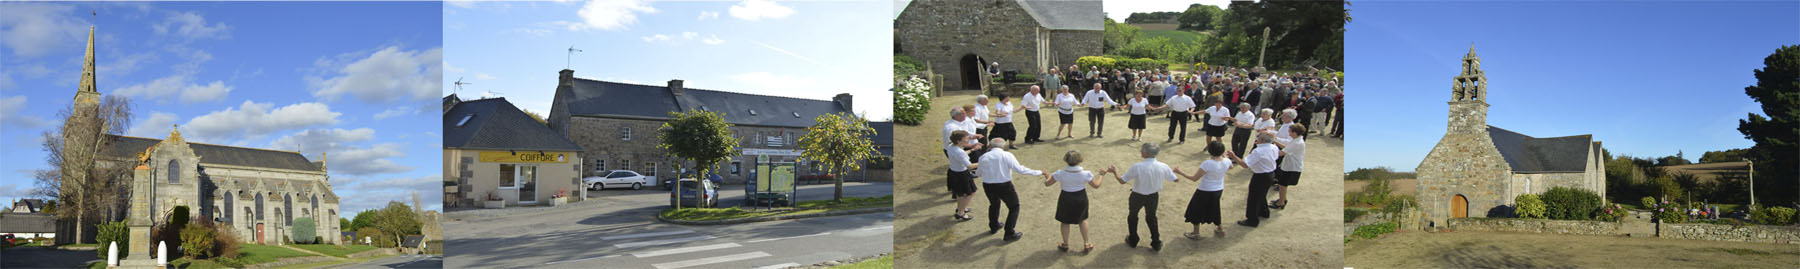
(259, 233)
(1459, 207)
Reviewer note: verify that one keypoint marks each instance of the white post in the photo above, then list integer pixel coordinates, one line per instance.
(112, 253)
(162, 253)
(1752, 180)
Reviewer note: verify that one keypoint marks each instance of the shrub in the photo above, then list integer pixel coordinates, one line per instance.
(375, 237)
(906, 66)
(1667, 212)
(1399, 203)
(304, 231)
(113, 232)
(1612, 212)
(1772, 215)
(1569, 203)
(197, 240)
(1529, 206)
(1648, 202)
(1376, 193)
(912, 100)
(1095, 61)
(1350, 214)
(1373, 230)
(225, 244)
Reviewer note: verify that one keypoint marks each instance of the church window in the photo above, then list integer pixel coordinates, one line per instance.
(228, 207)
(174, 171)
(259, 206)
(287, 204)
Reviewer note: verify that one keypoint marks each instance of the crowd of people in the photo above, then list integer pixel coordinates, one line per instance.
(1245, 102)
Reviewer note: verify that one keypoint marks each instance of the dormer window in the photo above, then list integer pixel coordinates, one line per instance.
(753, 112)
(465, 120)
(796, 115)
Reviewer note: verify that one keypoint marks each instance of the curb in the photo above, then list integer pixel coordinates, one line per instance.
(659, 217)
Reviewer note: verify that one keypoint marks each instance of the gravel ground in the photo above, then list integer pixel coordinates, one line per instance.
(1307, 234)
(1521, 250)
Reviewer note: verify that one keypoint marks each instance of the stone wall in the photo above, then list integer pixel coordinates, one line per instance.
(941, 33)
(1577, 227)
(607, 149)
(1068, 45)
(1464, 164)
(1718, 232)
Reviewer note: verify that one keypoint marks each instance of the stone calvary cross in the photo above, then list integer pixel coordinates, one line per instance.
(138, 219)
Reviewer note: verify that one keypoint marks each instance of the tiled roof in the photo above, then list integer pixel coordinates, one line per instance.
(18, 222)
(599, 98)
(129, 147)
(497, 124)
(1526, 154)
(1066, 14)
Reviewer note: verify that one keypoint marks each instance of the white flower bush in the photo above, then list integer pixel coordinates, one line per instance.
(912, 99)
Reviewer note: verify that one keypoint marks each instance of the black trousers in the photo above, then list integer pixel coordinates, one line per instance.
(1031, 133)
(1002, 193)
(1338, 130)
(1181, 119)
(1096, 121)
(1142, 202)
(1239, 139)
(1155, 100)
(1256, 204)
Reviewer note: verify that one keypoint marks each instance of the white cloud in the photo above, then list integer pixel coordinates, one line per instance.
(704, 15)
(313, 141)
(609, 15)
(192, 26)
(253, 119)
(395, 112)
(178, 85)
(388, 74)
(689, 35)
(368, 161)
(712, 40)
(33, 29)
(461, 3)
(484, 76)
(656, 38)
(753, 10)
(10, 117)
(772, 82)
(157, 125)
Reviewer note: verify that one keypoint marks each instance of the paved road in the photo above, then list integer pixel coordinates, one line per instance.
(617, 229)
(45, 257)
(400, 261)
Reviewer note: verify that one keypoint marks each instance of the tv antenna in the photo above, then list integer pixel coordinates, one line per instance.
(571, 57)
(459, 84)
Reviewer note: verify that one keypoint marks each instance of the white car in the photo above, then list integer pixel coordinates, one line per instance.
(617, 179)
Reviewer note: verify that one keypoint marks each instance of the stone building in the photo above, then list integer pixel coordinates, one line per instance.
(616, 125)
(956, 36)
(493, 148)
(1477, 169)
(259, 193)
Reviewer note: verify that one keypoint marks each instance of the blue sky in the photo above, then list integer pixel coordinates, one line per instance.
(358, 80)
(1646, 79)
(808, 50)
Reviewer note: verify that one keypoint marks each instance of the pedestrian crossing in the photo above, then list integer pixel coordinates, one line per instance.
(675, 249)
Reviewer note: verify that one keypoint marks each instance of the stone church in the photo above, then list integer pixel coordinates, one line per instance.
(960, 38)
(260, 193)
(1477, 169)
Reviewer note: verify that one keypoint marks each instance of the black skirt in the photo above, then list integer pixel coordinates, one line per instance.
(1204, 207)
(1215, 130)
(1065, 118)
(961, 183)
(1287, 178)
(1137, 122)
(1072, 207)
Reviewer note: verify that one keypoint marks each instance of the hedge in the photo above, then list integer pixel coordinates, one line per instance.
(1570, 204)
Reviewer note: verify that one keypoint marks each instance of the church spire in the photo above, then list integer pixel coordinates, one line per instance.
(87, 66)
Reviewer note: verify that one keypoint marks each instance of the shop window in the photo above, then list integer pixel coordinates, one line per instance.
(650, 169)
(507, 179)
(735, 166)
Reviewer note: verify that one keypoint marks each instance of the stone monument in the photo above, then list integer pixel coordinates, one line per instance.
(137, 220)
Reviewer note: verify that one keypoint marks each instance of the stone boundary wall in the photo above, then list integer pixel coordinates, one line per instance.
(1578, 227)
(1721, 232)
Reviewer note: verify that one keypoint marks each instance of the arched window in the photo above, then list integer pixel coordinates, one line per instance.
(287, 209)
(174, 171)
(259, 206)
(228, 207)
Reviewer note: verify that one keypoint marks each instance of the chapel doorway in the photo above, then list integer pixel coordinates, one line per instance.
(1459, 207)
(259, 233)
(970, 68)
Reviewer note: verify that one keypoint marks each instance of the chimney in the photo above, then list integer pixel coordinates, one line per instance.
(566, 78)
(844, 100)
(676, 88)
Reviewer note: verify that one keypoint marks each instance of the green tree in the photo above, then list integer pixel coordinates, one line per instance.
(698, 136)
(536, 116)
(1117, 35)
(1729, 155)
(82, 185)
(396, 221)
(345, 224)
(365, 218)
(1777, 89)
(840, 141)
(1199, 17)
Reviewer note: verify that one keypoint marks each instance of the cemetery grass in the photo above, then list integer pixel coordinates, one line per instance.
(334, 250)
(1412, 249)
(255, 254)
(803, 207)
(883, 262)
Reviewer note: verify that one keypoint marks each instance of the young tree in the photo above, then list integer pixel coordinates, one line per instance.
(839, 141)
(1778, 90)
(83, 185)
(396, 221)
(698, 136)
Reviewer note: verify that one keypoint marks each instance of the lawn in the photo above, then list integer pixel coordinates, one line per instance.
(883, 262)
(334, 250)
(191, 263)
(804, 207)
(254, 253)
(1177, 36)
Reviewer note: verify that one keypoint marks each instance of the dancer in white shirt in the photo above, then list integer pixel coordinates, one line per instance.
(1065, 112)
(1139, 109)
(959, 177)
(1180, 108)
(1096, 101)
(996, 168)
(1003, 121)
(1203, 208)
(1072, 204)
(1243, 124)
(1146, 178)
(1030, 104)
(1261, 162)
(1293, 157)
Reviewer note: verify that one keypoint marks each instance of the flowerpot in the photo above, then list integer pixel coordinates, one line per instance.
(559, 201)
(494, 204)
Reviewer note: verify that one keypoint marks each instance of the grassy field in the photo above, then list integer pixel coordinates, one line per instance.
(1177, 36)
(335, 250)
(1518, 250)
(804, 207)
(254, 254)
(883, 262)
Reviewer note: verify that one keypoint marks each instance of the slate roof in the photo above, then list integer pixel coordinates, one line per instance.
(496, 124)
(1526, 154)
(604, 98)
(36, 205)
(16, 222)
(129, 147)
(1066, 14)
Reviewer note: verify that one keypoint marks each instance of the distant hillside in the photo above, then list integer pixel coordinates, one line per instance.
(1177, 36)
(1155, 26)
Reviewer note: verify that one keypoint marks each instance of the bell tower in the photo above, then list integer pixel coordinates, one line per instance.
(1468, 97)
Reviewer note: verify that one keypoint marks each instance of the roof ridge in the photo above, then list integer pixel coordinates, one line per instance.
(705, 90)
(302, 155)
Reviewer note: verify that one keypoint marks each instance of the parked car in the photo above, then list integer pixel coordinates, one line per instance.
(715, 178)
(695, 193)
(617, 179)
